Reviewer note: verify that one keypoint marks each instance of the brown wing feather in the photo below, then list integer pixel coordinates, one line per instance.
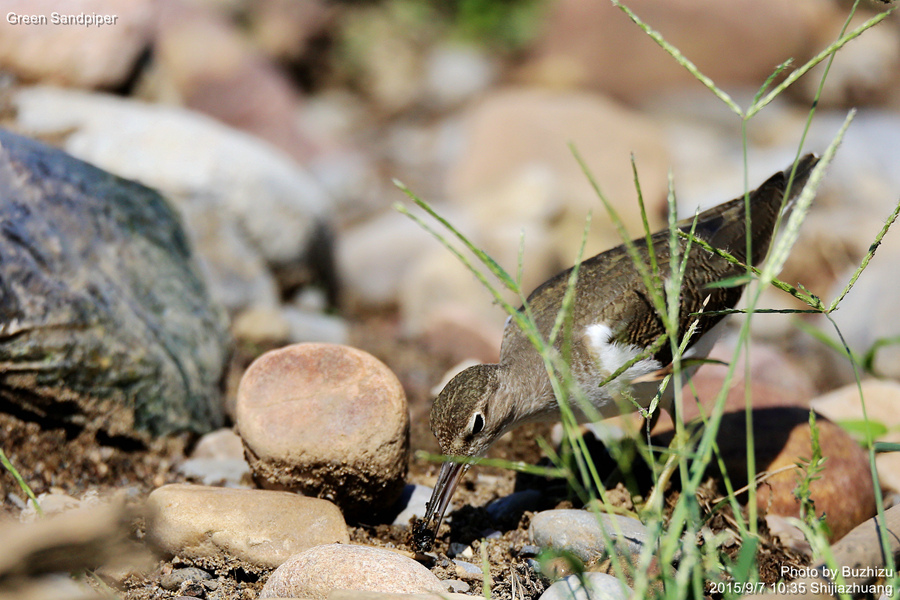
(610, 290)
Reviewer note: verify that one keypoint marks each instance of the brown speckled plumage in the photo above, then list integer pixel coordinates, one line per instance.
(613, 317)
(610, 289)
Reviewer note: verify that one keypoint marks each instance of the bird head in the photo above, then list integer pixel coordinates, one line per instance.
(467, 417)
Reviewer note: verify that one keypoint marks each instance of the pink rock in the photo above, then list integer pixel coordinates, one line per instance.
(95, 56)
(217, 72)
(328, 420)
(595, 44)
(317, 571)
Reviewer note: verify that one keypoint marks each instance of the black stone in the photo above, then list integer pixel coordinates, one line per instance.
(105, 321)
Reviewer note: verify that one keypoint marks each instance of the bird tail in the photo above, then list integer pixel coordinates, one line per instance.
(728, 230)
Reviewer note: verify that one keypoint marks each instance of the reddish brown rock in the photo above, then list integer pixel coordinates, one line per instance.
(882, 397)
(843, 491)
(328, 420)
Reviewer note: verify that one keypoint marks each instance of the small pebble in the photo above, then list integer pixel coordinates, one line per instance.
(463, 550)
(412, 503)
(466, 570)
(226, 472)
(456, 586)
(579, 532)
(172, 581)
(315, 572)
(52, 503)
(192, 589)
(306, 326)
(222, 444)
(588, 586)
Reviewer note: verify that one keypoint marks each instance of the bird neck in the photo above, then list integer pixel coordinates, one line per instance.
(529, 394)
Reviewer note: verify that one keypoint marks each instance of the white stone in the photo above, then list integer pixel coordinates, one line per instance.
(237, 194)
(455, 73)
(588, 586)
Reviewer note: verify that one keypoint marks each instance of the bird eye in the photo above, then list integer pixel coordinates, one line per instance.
(477, 423)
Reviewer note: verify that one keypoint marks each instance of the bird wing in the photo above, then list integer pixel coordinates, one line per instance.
(610, 291)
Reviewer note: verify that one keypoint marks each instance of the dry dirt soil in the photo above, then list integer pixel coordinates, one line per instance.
(75, 462)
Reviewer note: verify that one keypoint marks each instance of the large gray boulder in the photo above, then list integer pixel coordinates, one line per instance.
(105, 322)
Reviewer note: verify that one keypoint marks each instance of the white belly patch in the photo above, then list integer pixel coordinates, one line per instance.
(609, 356)
(612, 356)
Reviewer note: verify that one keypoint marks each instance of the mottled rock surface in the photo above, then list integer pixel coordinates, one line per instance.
(261, 527)
(328, 420)
(105, 321)
(246, 206)
(316, 572)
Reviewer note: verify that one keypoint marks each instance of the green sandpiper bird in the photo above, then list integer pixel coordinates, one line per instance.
(613, 322)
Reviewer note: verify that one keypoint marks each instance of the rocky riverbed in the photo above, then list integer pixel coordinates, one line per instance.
(219, 339)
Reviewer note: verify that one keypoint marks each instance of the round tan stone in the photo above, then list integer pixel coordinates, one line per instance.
(320, 570)
(260, 527)
(328, 420)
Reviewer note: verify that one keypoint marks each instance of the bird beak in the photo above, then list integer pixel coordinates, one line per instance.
(425, 530)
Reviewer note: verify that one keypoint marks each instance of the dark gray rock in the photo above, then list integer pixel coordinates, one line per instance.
(104, 320)
(510, 508)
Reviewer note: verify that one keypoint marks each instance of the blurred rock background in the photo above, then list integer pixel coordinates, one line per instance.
(275, 128)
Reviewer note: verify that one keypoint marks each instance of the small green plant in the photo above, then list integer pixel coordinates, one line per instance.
(509, 24)
(687, 567)
(19, 480)
(810, 470)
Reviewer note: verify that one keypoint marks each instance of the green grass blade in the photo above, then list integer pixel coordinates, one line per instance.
(868, 257)
(782, 248)
(20, 481)
(681, 59)
(824, 54)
